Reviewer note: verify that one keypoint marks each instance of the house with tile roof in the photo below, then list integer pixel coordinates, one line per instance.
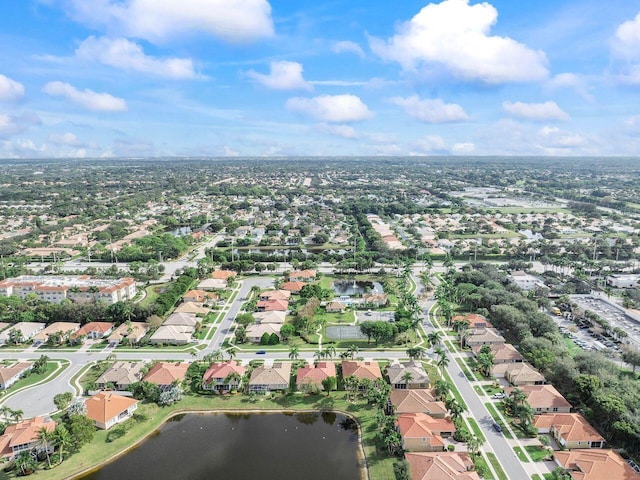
(441, 466)
(275, 295)
(375, 299)
(595, 465)
(422, 433)
(182, 320)
(361, 370)
(484, 336)
(416, 401)
(172, 335)
(335, 307)
(502, 353)
(209, 284)
(107, 409)
(216, 376)
(398, 371)
(293, 287)
(121, 375)
(191, 308)
(24, 436)
(474, 320)
(94, 330)
(311, 376)
(302, 275)
(256, 331)
(11, 374)
(198, 296)
(165, 374)
(270, 317)
(269, 379)
(570, 430)
(520, 374)
(272, 305)
(129, 333)
(543, 398)
(65, 329)
(26, 329)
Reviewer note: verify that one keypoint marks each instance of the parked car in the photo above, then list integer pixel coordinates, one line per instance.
(497, 427)
(499, 395)
(260, 352)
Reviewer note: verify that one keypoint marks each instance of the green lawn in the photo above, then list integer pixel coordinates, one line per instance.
(490, 389)
(497, 467)
(152, 292)
(37, 377)
(470, 375)
(482, 467)
(572, 348)
(479, 390)
(476, 428)
(538, 454)
(379, 463)
(520, 454)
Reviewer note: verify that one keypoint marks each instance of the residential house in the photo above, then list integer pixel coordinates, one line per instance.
(270, 317)
(441, 466)
(268, 379)
(544, 398)
(484, 336)
(335, 307)
(272, 305)
(524, 281)
(10, 375)
(302, 276)
(311, 376)
(182, 320)
(293, 287)
(226, 276)
(172, 335)
(256, 331)
(474, 320)
(361, 370)
(129, 333)
(107, 409)
(198, 296)
(64, 329)
(570, 430)
(397, 373)
(209, 284)
(416, 401)
(423, 433)
(595, 465)
(375, 299)
(502, 353)
(166, 374)
(121, 375)
(94, 330)
(519, 374)
(216, 376)
(24, 436)
(275, 295)
(26, 330)
(191, 308)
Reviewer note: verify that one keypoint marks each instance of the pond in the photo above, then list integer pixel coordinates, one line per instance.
(346, 287)
(313, 446)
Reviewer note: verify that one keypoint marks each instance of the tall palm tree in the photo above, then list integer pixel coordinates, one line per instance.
(407, 376)
(352, 350)
(455, 408)
(232, 352)
(415, 353)
(17, 415)
(293, 352)
(434, 338)
(62, 439)
(25, 462)
(441, 388)
(443, 361)
(45, 436)
(329, 351)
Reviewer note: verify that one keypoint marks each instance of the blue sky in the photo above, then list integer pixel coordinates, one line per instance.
(101, 78)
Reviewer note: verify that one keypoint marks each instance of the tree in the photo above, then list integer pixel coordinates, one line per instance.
(415, 353)
(81, 429)
(46, 438)
(245, 319)
(25, 463)
(287, 331)
(632, 357)
(293, 352)
(434, 338)
(62, 400)
(62, 439)
(407, 377)
(170, 396)
(474, 443)
(17, 415)
(455, 408)
(240, 334)
(442, 388)
(329, 383)
(352, 350)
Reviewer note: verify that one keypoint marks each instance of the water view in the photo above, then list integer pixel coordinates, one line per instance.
(313, 446)
(346, 287)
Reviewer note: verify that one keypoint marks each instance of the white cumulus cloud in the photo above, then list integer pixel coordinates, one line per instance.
(128, 55)
(347, 46)
(10, 90)
(283, 76)
(162, 20)
(625, 48)
(344, 131)
(538, 112)
(553, 137)
(456, 36)
(431, 110)
(331, 108)
(98, 102)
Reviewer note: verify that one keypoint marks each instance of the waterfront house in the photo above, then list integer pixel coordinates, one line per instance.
(441, 466)
(166, 374)
(416, 401)
(25, 436)
(107, 409)
(216, 376)
(423, 433)
(120, 375)
(269, 379)
(310, 377)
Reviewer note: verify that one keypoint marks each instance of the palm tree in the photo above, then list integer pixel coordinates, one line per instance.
(474, 443)
(233, 377)
(319, 355)
(62, 438)
(232, 352)
(352, 350)
(434, 338)
(329, 384)
(441, 388)
(45, 436)
(25, 462)
(329, 351)
(443, 360)
(293, 352)
(407, 376)
(216, 355)
(17, 415)
(415, 353)
(454, 407)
